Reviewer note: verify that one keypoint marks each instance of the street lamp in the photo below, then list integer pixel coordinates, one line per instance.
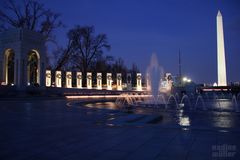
(185, 79)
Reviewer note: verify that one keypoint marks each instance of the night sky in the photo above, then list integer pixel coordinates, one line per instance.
(138, 28)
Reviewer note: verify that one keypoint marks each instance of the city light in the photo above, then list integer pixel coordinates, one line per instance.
(185, 79)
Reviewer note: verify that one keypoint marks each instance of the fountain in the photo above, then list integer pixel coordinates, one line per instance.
(238, 96)
(156, 97)
(155, 74)
(185, 101)
(174, 99)
(235, 103)
(170, 102)
(200, 99)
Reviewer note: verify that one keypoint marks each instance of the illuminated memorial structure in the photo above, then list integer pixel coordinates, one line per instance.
(23, 63)
(222, 76)
(22, 58)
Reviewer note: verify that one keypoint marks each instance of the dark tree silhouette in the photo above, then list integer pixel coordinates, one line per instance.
(119, 67)
(87, 46)
(63, 57)
(29, 14)
(83, 49)
(134, 70)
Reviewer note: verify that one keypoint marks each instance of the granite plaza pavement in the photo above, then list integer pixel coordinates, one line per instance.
(65, 130)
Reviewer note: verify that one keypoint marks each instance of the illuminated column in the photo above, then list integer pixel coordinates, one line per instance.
(69, 79)
(48, 78)
(119, 81)
(79, 79)
(58, 79)
(89, 80)
(169, 81)
(99, 80)
(148, 82)
(222, 78)
(109, 81)
(139, 81)
(129, 81)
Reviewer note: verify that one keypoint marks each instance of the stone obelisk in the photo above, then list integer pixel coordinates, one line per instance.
(222, 78)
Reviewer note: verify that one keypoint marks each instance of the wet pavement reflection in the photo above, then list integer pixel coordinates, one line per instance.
(63, 129)
(179, 118)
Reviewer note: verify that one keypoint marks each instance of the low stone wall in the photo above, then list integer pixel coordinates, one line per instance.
(14, 92)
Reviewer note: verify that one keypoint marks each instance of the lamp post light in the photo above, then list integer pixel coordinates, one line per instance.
(186, 80)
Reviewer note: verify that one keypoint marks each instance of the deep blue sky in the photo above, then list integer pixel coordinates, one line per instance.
(137, 28)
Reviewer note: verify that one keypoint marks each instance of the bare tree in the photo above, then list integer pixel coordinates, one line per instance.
(134, 70)
(119, 66)
(86, 47)
(63, 56)
(29, 14)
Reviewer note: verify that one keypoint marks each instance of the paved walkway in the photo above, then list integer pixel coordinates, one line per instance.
(53, 129)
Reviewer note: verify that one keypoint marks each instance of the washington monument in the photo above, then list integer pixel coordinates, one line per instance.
(222, 78)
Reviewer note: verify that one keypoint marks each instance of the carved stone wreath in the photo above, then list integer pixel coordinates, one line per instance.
(109, 77)
(79, 76)
(119, 77)
(169, 78)
(59, 75)
(89, 77)
(48, 75)
(139, 77)
(69, 76)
